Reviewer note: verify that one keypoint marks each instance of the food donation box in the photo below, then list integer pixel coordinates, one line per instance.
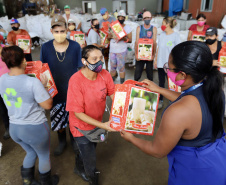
(78, 36)
(145, 49)
(24, 42)
(198, 36)
(103, 37)
(118, 29)
(172, 86)
(222, 59)
(134, 108)
(36, 69)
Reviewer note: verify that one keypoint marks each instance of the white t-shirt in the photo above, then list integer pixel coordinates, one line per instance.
(77, 21)
(165, 44)
(93, 38)
(121, 46)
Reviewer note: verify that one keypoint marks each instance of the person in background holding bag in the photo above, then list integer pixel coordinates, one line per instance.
(86, 101)
(213, 43)
(150, 32)
(200, 26)
(26, 99)
(93, 36)
(167, 40)
(3, 110)
(118, 50)
(64, 59)
(191, 131)
(11, 38)
(105, 24)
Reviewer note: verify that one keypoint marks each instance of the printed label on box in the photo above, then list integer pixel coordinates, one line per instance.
(145, 47)
(136, 107)
(78, 36)
(199, 36)
(24, 42)
(118, 29)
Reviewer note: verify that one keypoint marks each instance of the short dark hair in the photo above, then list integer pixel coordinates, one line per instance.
(200, 15)
(13, 56)
(58, 25)
(86, 51)
(92, 21)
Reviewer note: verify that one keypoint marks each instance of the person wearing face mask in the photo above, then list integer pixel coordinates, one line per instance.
(64, 59)
(72, 27)
(26, 99)
(212, 42)
(105, 24)
(150, 32)
(11, 38)
(191, 132)
(68, 16)
(200, 26)
(118, 49)
(93, 36)
(167, 40)
(86, 100)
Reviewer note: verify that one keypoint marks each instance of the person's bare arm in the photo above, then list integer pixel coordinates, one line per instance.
(170, 95)
(79, 26)
(156, 58)
(189, 35)
(136, 42)
(169, 133)
(84, 117)
(112, 96)
(47, 104)
(154, 42)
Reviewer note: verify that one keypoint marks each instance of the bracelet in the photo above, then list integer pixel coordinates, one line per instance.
(126, 40)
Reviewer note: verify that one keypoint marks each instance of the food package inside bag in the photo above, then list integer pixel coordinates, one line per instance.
(145, 49)
(24, 42)
(103, 37)
(199, 36)
(78, 36)
(134, 108)
(118, 29)
(172, 86)
(36, 69)
(222, 60)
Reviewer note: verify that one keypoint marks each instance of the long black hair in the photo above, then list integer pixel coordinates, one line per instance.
(195, 59)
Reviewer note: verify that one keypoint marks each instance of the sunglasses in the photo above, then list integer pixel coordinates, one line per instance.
(166, 68)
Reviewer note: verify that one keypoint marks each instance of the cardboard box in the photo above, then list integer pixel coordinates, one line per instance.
(172, 86)
(103, 37)
(199, 36)
(134, 108)
(36, 68)
(145, 49)
(78, 36)
(118, 29)
(24, 42)
(222, 59)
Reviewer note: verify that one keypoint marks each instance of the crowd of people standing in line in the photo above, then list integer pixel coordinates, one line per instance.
(83, 86)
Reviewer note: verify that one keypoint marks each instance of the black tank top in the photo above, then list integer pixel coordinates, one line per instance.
(216, 54)
(205, 135)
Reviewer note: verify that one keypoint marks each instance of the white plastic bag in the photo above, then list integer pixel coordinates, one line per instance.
(223, 22)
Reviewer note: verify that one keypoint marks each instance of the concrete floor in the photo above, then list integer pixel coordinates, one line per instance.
(119, 162)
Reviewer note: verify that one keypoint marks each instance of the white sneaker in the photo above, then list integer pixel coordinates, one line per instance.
(33, 47)
(160, 104)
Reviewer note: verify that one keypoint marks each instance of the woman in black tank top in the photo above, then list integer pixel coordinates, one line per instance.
(191, 131)
(212, 42)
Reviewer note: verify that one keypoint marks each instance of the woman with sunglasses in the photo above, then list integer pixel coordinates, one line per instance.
(167, 40)
(191, 132)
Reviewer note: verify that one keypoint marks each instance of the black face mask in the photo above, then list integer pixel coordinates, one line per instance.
(121, 21)
(97, 26)
(15, 28)
(210, 41)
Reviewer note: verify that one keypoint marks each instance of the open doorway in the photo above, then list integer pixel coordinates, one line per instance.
(124, 6)
(89, 7)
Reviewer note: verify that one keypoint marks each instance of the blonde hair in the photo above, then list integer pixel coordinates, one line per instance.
(171, 21)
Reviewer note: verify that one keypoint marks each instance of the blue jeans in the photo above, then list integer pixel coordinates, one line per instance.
(35, 140)
(87, 153)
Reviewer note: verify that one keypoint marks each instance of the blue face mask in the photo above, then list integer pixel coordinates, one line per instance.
(97, 68)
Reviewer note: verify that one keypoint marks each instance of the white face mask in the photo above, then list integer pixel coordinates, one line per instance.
(71, 28)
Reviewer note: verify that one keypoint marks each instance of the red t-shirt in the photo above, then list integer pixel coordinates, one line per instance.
(12, 35)
(89, 97)
(193, 27)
